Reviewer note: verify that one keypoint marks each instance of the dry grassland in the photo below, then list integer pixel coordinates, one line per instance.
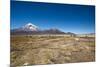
(33, 50)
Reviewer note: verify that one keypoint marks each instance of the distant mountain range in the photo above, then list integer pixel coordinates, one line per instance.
(33, 29)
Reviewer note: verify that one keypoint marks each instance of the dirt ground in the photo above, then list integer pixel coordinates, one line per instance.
(34, 50)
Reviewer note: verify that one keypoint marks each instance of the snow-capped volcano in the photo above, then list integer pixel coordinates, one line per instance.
(29, 27)
(33, 29)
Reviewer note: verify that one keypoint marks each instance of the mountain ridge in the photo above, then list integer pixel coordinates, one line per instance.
(33, 29)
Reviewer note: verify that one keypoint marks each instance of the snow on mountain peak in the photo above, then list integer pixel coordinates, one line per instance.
(30, 27)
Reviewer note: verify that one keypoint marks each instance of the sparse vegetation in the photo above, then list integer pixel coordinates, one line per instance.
(32, 50)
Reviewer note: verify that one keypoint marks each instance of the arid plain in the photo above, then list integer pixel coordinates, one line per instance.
(35, 49)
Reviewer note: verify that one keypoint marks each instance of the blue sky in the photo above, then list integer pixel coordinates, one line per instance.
(66, 17)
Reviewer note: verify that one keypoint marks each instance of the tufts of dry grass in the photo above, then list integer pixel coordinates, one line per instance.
(32, 50)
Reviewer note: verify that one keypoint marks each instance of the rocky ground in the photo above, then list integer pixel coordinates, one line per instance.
(34, 50)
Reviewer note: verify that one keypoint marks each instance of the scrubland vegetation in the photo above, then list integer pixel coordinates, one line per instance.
(33, 50)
